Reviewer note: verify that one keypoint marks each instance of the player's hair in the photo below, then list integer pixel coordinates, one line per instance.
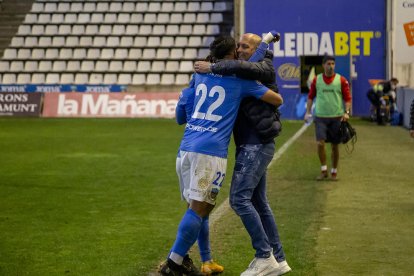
(326, 58)
(394, 80)
(220, 47)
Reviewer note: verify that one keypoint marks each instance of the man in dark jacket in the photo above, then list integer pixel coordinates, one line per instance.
(376, 96)
(256, 126)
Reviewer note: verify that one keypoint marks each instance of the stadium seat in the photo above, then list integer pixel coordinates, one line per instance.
(176, 18)
(127, 41)
(24, 30)
(76, 7)
(124, 79)
(167, 79)
(79, 53)
(143, 66)
(189, 18)
(65, 53)
(43, 18)
(220, 6)
(9, 78)
(153, 79)
(38, 78)
(24, 54)
(49, 7)
(138, 79)
(216, 18)
(95, 78)
(107, 53)
(70, 18)
(91, 30)
(167, 41)
(89, 7)
(52, 78)
(203, 53)
(128, 7)
(206, 6)
(72, 41)
(172, 66)
(181, 41)
(97, 18)
(135, 53)
(30, 66)
(17, 41)
(193, 6)
(121, 53)
(45, 66)
(50, 29)
(84, 18)
(59, 66)
(167, 6)
(203, 18)
(67, 78)
(16, 66)
(102, 7)
(207, 40)
(163, 18)
(110, 79)
(154, 7)
(199, 29)
(99, 41)
(115, 66)
(37, 29)
(65, 29)
(163, 53)
(158, 30)
(86, 41)
(38, 53)
(186, 66)
(118, 29)
(194, 41)
(30, 18)
(172, 29)
(150, 18)
(140, 41)
(154, 41)
(131, 30)
(23, 78)
(37, 7)
(78, 30)
(87, 66)
(141, 7)
(10, 53)
(58, 41)
(102, 66)
(130, 66)
(190, 53)
(4, 66)
(93, 53)
(105, 30)
(180, 6)
(64, 7)
(44, 41)
(145, 29)
(177, 53)
(186, 29)
(157, 66)
(73, 66)
(149, 53)
(182, 79)
(110, 18)
(113, 41)
(57, 18)
(115, 6)
(81, 78)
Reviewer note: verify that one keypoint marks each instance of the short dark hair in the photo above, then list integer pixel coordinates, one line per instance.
(221, 46)
(394, 80)
(326, 58)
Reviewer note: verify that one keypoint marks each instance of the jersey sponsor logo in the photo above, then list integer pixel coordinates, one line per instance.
(200, 128)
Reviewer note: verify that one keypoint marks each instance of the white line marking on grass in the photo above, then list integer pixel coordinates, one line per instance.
(219, 211)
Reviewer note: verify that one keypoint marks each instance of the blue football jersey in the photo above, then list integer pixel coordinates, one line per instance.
(216, 102)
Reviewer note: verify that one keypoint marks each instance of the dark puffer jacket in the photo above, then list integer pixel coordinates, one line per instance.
(257, 122)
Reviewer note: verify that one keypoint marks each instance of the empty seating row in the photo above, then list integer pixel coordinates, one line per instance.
(118, 29)
(97, 66)
(12, 54)
(111, 41)
(133, 18)
(95, 78)
(90, 6)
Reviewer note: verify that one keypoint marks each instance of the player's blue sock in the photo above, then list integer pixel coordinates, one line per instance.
(204, 241)
(187, 233)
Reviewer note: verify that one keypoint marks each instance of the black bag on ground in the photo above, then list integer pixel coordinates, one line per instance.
(347, 132)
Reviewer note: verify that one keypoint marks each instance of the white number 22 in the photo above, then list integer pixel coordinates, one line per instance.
(202, 88)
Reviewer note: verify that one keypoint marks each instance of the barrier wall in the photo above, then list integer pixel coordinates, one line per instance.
(405, 97)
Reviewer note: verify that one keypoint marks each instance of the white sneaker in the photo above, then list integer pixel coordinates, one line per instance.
(283, 268)
(262, 267)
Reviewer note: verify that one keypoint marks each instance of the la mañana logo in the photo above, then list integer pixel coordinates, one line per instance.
(103, 105)
(313, 44)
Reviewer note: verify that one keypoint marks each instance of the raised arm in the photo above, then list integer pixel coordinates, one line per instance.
(272, 98)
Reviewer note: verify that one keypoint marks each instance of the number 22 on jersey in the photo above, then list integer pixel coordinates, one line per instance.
(202, 89)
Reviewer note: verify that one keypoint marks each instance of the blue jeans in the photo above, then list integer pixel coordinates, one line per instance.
(248, 198)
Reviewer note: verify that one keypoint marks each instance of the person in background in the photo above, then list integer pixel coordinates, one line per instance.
(256, 126)
(333, 103)
(378, 94)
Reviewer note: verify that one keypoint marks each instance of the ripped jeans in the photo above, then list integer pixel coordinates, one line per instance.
(248, 198)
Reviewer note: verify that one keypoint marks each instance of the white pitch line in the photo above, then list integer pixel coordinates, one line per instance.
(219, 211)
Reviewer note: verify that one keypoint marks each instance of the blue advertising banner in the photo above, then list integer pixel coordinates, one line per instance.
(29, 88)
(353, 31)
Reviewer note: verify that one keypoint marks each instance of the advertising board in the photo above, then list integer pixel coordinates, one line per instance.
(140, 105)
(353, 31)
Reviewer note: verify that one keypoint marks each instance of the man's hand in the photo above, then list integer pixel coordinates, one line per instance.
(202, 67)
(307, 118)
(345, 117)
(271, 36)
